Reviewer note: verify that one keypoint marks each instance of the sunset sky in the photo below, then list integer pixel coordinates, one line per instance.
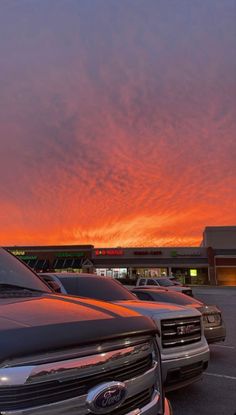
(117, 121)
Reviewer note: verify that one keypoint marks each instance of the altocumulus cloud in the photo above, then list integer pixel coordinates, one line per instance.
(117, 121)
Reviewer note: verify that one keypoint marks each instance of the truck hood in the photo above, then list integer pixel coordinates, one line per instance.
(159, 310)
(48, 322)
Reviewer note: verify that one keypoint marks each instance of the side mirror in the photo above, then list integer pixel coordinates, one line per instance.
(134, 294)
(54, 286)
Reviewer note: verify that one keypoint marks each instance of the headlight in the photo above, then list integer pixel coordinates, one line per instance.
(211, 318)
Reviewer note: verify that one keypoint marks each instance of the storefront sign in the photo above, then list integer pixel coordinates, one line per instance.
(17, 252)
(109, 252)
(23, 255)
(183, 254)
(147, 252)
(69, 254)
(28, 257)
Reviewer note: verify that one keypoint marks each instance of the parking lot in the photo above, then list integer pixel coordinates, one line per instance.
(215, 394)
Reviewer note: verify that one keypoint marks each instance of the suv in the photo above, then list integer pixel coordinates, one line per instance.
(214, 327)
(62, 355)
(184, 350)
(164, 282)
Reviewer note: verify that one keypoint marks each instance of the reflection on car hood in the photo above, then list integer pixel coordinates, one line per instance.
(150, 308)
(178, 288)
(49, 322)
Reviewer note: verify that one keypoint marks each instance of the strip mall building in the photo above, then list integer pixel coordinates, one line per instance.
(214, 262)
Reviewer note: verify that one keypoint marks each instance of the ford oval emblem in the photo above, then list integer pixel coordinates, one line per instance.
(106, 397)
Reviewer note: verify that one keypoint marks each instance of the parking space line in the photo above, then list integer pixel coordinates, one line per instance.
(220, 376)
(221, 345)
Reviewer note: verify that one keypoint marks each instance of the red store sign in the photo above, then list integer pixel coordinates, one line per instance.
(110, 252)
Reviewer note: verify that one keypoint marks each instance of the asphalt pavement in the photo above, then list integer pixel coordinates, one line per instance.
(215, 394)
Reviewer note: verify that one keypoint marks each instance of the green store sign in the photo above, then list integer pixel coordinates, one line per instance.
(69, 254)
(27, 257)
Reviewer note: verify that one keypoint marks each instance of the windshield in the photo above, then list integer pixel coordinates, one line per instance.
(14, 273)
(99, 288)
(165, 282)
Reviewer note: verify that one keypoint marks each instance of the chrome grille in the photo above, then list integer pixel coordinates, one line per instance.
(40, 385)
(180, 332)
(183, 373)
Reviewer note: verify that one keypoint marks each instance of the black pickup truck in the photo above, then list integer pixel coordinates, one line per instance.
(61, 355)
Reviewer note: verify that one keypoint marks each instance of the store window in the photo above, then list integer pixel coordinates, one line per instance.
(117, 273)
(149, 272)
(195, 276)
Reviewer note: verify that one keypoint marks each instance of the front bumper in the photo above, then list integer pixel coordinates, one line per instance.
(136, 388)
(72, 406)
(215, 334)
(180, 372)
(168, 409)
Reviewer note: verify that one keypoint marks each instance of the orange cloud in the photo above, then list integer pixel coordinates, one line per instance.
(113, 132)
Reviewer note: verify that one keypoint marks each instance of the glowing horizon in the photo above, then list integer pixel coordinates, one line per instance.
(117, 122)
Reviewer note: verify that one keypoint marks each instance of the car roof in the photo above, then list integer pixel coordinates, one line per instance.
(152, 278)
(169, 292)
(154, 290)
(160, 278)
(71, 275)
(150, 287)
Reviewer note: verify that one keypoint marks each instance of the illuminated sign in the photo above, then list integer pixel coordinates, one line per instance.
(109, 252)
(181, 253)
(27, 257)
(69, 254)
(23, 255)
(17, 252)
(147, 252)
(193, 272)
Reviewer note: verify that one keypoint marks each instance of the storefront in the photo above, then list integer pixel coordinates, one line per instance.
(56, 258)
(214, 265)
(221, 249)
(189, 265)
(225, 270)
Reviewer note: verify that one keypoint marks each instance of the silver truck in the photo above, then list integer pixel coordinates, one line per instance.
(64, 356)
(163, 282)
(184, 349)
